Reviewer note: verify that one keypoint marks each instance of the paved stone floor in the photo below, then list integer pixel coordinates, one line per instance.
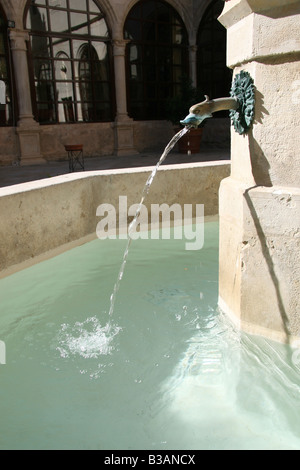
(10, 175)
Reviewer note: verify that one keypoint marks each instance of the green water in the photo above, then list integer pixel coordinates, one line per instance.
(172, 373)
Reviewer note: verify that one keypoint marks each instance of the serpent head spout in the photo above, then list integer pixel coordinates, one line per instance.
(202, 111)
(194, 120)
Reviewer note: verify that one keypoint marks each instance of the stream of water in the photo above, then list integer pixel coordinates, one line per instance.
(134, 222)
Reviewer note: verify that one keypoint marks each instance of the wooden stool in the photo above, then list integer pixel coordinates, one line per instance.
(75, 156)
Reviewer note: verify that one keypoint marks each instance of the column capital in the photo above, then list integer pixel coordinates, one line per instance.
(18, 39)
(193, 48)
(119, 46)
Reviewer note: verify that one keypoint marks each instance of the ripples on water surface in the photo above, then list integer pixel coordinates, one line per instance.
(167, 371)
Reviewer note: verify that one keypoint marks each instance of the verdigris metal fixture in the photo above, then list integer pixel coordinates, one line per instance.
(241, 105)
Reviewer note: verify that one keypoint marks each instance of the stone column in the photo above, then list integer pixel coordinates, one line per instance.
(28, 129)
(123, 125)
(193, 64)
(260, 201)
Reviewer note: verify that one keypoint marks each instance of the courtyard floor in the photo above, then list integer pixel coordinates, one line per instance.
(10, 175)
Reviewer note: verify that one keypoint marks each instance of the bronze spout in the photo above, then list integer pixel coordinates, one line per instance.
(202, 111)
(240, 104)
(211, 106)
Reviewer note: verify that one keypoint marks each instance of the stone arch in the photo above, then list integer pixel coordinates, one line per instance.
(213, 77)
(104, 5)
(110, 14)
(183, 11)
(200, 10)
(14, 11)
(58, 93)
(157, 60)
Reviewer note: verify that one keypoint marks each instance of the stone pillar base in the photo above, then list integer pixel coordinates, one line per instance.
(30, 148)
(124, 142)
(260, 258)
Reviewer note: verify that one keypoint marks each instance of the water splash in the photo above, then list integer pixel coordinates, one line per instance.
(88, 339)
(134, 222)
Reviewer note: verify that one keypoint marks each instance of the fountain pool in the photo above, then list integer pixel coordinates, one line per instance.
(168, 372)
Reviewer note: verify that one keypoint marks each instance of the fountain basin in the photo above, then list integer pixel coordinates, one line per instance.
(172, 374)
(41, 218)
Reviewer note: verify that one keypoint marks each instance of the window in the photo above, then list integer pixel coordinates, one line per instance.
(6, 105)
(157, 58)
(214, 77)
(71, 61)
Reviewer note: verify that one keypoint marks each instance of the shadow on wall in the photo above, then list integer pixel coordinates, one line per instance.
(259, 163)
(261, 174)
(269, 261)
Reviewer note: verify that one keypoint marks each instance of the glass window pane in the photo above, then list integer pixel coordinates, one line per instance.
(3, 68)
(40, 46)
(78, 5)
(2, 92)
(6, 114)
(79, 23)
(63, 70)
(177, 56)
(64, 90)
(99, 50)
(98, 27)
(136, 12)
(178, 35)
(149, 11)
(163, 33)
(102, 91)
(43, 69)
(68, 69)
(59, 21)
(102, 111)
(56, 3)
(46, 112)
(134, 30)
(86, 91)
(37, 19)
(61, 47)
(2, 47)
(66, 109)
(44, 91)
(80, 49)
(149, 32)
(93, 8)
(136, 91)
(155, 54)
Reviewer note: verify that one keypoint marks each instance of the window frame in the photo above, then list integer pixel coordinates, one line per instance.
(152, 105)
(9, 79)
(57, 105)
(213, 86)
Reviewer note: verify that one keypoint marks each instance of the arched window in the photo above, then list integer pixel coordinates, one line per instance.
(214, 77)
(157, 57)
(6, 105)
(71, 61)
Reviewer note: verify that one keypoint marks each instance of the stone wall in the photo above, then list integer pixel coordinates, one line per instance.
(97, 140)
(9, 146)
(259, 202)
